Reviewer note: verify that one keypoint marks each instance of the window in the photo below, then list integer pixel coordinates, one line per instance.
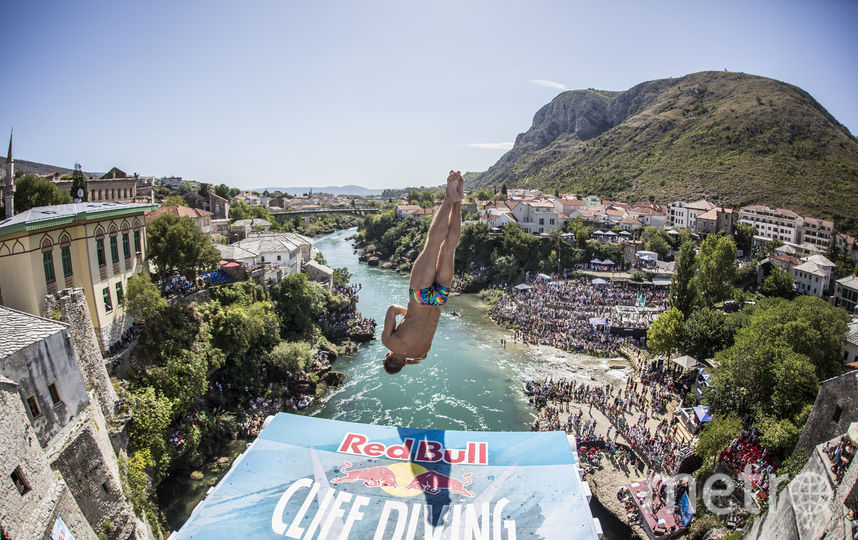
(126, 248)
(263, 258)
(836, 416)
(55, 396)
(119, 295)
(99, 249)
(48, 260)
(542, 221)
(114, 250)
(20, 482)
(108, 304)
(137, 242)
(65, 253)
(33, 405)
(278, 257)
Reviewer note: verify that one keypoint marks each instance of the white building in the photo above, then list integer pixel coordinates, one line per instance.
(818, 232)
(682, 215)
(849, 349)
(846, 293)
(785, 225)
(813, 275)
(289, 251)
(538, 216)
(496, 217)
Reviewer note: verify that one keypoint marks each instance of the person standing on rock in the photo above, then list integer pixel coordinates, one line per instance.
(431, 277)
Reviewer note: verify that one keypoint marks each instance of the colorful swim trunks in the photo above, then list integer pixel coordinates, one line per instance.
(436, 295)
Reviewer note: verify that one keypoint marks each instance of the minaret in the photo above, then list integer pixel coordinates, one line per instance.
(9, 188)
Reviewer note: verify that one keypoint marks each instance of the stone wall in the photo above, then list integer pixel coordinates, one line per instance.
(51, 360)
(74, 311)
(837, 398)
(88, 465)
(811, 506)
(31, 514)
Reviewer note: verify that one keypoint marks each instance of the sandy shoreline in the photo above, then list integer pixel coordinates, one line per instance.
(555, 364)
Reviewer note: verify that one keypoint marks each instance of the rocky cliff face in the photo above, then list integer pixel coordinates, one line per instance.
(735, 138)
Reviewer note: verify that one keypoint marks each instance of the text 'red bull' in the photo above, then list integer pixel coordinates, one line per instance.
(474, 453)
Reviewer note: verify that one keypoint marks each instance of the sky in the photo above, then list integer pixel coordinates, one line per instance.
(374, 93)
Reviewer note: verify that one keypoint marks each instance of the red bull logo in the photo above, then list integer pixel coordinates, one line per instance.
(474, 453)
(371, 476)
(405, 479)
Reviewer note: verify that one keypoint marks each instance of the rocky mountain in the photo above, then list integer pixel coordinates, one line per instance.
(733, 138)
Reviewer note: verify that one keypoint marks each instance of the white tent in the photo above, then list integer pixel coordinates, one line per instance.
(625, 233)
(610, 233)
(543, 277)
(523, 287)
(686, 362)
(599, 281)
(596, 261)
(598, 321)
(609, 262)
(672, 231)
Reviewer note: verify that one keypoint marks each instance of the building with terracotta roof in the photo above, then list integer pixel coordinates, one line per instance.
(818, 232)
(785, 225)
(714, 221)
(683, 215)
(201, 218)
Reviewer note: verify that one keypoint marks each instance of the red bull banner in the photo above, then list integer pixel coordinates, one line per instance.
(309, 478)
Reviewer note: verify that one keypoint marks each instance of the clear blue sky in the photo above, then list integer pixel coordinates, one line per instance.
(380, 94)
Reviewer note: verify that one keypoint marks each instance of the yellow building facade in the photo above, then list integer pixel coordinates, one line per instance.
(96, 246)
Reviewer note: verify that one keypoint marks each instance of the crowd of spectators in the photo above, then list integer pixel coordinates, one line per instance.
(629, 409)
(576, 315)
(257, 411)
(745, 451)
(840, 455)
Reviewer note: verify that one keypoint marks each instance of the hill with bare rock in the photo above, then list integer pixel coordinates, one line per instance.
(732, 138)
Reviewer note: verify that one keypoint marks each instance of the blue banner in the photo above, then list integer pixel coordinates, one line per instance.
(311, 478)
(685, 510)
(60, 531)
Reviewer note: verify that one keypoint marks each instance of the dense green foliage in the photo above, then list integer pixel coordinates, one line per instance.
(716, 269)
(177, 245)
(718, 434)
(682, 137)
(299, 303)
(708, 331)
(682, 294)
(665, 333)
(773, 369)
(143, 300)
(32, 191)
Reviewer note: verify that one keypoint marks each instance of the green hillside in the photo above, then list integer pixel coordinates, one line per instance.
(733, 138)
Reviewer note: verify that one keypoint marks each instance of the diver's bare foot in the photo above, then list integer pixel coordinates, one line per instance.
(461, 187)
(453, 187)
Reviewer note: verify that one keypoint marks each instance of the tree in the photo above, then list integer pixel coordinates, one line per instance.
(665, 333)
(175, 200)
(718, 434)
(708, 331)
(32, 191)
(239, 210)
(716, 268)
(342, 276)
(658, 244)
(151, 413)
(503, 190)
(205, 189)
(143, 300)
(683, 295)
(288, 358)
(194, 200)
(298, 302)
(178, 245)
(778, 283)
(78, 182)
(744, 235)
(222, 190)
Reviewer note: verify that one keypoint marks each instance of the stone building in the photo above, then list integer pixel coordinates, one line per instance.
(95, 246)
(835, 408)
(814, 505)
(58, 448)
(218, 206)
(115, 186)
(201, 218)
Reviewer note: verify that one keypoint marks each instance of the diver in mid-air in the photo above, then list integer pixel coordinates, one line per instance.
(431, 277)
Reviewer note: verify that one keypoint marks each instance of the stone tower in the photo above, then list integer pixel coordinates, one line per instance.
(9, 188)
(74, 311)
